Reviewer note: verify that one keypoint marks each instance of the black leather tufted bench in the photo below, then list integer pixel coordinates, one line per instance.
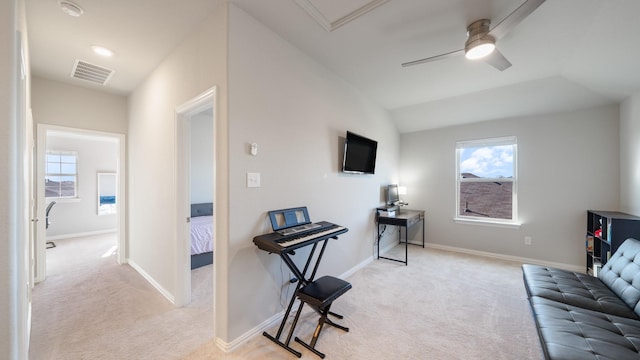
(583, 317)
(320, 294)
(570, 332)
(575, 289)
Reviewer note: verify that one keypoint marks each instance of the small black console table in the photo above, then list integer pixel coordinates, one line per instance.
(403, 218)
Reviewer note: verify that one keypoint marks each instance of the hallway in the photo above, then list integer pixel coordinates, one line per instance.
(89, 307)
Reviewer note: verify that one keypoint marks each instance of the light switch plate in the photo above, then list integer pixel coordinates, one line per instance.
(253, 180)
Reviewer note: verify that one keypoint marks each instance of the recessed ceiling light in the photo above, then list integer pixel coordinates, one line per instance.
(70, 8)
(102, 51)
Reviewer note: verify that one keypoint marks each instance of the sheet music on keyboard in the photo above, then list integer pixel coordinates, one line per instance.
(298, 229)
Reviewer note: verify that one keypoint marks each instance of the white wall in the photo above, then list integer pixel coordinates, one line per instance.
(14, 216)
(57, 103)
(285, 92)
(630, 155)
(77, 217)
(296, 111)
(8, 238)
(201, 158)
(567, 163)
(195, 66)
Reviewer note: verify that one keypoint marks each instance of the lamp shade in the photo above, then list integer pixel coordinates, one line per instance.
(480, 48)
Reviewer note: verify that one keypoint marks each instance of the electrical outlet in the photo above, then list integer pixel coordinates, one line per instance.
(527, 240)
(289, 281)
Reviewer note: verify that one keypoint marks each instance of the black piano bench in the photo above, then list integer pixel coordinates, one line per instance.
(320, 294)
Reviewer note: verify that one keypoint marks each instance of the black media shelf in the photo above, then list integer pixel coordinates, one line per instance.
(606, 231)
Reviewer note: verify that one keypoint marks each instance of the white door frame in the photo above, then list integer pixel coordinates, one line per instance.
(183, 113)
(24, 196)
(33, 216)
(40, 246)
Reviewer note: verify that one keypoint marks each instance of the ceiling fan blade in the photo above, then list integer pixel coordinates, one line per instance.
(513, 19)
(434, 58)
(497, 60)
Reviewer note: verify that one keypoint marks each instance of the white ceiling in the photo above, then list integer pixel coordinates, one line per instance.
(568, 54)
(140, 32)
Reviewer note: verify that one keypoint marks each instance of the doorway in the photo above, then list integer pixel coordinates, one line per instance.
(197, 114)
(86, 199)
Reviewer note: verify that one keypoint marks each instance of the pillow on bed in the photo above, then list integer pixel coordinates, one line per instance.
(204, 209)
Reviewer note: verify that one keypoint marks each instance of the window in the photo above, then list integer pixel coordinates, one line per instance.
(61, 177)
(486, 180)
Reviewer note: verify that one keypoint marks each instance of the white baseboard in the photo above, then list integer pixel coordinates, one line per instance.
(355, 269)
(84, 234)
(152, 281)
(258, 330)
(523, 260)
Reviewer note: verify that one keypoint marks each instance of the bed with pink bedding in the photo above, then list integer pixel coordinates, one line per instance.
(201, 235)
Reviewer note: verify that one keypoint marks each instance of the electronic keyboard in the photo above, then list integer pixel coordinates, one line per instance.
(278, 243)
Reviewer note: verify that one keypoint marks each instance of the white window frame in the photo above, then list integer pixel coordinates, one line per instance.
(489, 142)
(76, 174)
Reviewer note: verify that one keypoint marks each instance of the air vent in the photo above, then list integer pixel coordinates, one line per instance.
(89, 72)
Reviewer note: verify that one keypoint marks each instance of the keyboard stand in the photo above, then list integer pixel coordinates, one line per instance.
(318, 294)
(302, 281)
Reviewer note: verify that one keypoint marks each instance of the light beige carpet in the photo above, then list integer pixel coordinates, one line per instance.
(442, 306)
(91, 308)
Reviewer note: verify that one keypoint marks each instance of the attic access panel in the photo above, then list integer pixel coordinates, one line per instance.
(333, 14)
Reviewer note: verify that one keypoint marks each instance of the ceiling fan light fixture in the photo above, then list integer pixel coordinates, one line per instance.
(481, 38)
(479, 43)
(479, 48)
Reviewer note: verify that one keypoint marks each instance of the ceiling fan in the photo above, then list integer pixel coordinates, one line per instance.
(481, 39)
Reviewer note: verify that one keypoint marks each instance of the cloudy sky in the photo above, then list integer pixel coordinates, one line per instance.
(487, 162)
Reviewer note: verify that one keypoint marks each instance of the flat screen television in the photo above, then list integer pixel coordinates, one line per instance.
(359, 154)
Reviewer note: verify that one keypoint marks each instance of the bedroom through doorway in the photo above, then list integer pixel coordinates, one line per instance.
(195, 222)
(78, 177)
(201, 189)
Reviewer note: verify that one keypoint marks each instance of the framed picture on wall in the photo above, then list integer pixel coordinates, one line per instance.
(107, 193)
